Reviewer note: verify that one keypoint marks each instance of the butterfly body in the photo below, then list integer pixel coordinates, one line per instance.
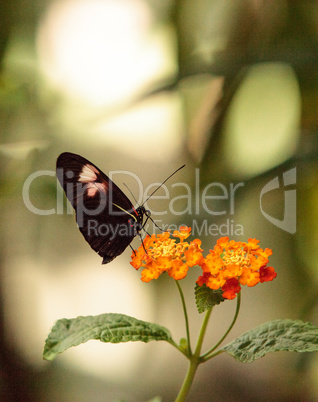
(105, 216)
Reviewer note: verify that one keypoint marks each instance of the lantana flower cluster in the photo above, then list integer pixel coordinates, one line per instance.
(162, 253)
(234, 263)
(226, 267)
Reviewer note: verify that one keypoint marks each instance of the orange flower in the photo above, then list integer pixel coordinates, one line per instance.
(183, 232)
(231, 263)
(249, 277)
(162, 253)
(194, 253)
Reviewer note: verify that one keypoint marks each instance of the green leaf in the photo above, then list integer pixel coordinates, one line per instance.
(113, 328)
(206, 298)
(274, 336)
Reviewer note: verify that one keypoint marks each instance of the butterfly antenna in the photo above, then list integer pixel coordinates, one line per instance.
(163, 183)
(131, 193)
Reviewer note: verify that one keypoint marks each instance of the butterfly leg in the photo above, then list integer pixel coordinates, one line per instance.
(142, 241)
(148, 214)
(146, 231)
(156, 224)
(143, 227)
(132, 249)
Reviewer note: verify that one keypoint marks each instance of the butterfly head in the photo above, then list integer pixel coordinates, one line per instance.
(142, 211)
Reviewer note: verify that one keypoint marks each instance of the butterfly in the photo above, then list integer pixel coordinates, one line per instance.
(104, 214)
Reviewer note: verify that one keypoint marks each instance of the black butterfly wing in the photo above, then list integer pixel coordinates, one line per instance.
(104, 214)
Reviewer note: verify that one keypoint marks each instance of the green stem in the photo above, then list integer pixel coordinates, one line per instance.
(185, 317)
(208, 355)
(202, 332)
(195, 360)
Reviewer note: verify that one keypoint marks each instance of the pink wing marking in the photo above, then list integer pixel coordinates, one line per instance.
(95, 187)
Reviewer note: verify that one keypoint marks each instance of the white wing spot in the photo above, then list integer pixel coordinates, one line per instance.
(94, 188)
(88, 174)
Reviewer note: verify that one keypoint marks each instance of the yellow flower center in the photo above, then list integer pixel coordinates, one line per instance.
(237, 256)
(168, 248)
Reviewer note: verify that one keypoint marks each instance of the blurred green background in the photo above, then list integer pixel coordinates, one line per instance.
(226, 87)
